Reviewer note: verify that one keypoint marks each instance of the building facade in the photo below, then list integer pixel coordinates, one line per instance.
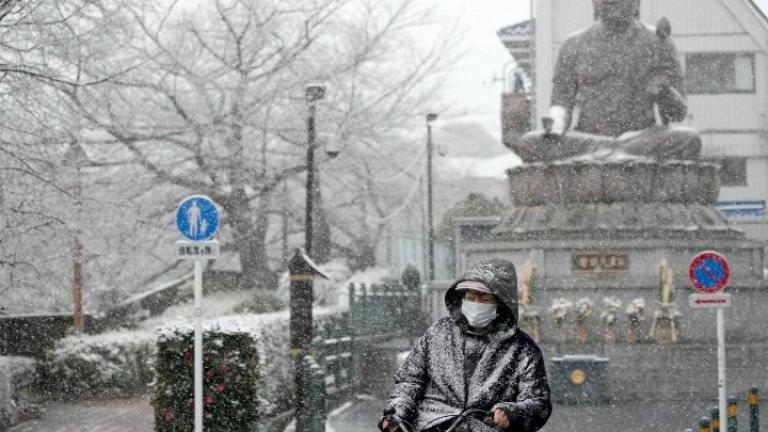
(723, 47)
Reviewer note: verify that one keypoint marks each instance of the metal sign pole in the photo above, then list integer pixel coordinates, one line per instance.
(197, 219)
(198, 312)
(709, 272)
(721, 361)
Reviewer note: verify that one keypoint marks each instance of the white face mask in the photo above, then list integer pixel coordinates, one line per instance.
(478, 314)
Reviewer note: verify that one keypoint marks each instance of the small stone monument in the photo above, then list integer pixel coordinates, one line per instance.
(635, 317)
(664, 328)
(610, 318)
(585, 310)
(529, 314)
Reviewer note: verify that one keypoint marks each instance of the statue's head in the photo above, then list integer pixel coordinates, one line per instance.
(616, 12)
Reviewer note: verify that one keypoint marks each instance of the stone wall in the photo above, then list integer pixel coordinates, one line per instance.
(556, 278)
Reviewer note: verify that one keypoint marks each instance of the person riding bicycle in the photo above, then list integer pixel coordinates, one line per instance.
(474, 359)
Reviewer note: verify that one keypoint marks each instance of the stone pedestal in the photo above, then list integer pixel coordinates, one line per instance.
(597, 229)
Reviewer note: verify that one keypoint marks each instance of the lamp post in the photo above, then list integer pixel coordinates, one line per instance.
(431, 117)
(312, 94)
(302, 271)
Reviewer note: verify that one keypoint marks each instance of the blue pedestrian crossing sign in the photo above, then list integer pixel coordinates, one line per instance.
(197, 218)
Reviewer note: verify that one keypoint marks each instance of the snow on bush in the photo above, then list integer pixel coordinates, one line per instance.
(270, 335)
(230, 373)
(16, 374)
(122, 362)
(107, 364)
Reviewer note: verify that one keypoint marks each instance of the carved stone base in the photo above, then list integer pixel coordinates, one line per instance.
(615, 221)
(632, 181)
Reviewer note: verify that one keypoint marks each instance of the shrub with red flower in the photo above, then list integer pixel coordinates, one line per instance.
(230, 379)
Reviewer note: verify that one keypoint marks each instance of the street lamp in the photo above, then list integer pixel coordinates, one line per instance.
(312, 93)
(431, 117)
(302, 271)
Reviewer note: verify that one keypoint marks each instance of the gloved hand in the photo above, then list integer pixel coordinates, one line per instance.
(500, 419)
(388, 426)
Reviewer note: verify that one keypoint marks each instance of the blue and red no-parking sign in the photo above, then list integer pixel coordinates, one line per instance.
(709, 272)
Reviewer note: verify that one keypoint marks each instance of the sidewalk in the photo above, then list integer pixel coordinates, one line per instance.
(120, 415)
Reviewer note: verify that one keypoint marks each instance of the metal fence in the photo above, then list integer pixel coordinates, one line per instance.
(391, 309)
(334, 357)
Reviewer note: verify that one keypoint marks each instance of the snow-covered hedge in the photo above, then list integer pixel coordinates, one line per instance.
(230, 373)
(107, 364)
(17, 374)
(268, 333)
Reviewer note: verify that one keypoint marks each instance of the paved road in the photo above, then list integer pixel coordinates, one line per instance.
(661, 416)
(135, 415)
(122, 415)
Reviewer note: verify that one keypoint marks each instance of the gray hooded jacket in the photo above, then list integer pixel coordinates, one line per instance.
(431, 385)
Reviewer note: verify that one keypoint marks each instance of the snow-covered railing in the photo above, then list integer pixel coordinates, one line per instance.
(388, 308)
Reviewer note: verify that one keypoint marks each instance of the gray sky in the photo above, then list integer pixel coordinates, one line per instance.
(472, 84)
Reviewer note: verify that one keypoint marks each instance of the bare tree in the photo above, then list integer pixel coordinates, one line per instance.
(216, 105)
(38, 43)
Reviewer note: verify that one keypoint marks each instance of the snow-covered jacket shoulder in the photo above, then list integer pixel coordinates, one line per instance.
(510, 375)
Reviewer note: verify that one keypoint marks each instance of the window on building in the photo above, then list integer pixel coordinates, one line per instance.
(733, 171)
(713, 73)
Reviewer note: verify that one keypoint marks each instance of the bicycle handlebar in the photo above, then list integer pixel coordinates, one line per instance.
(476, 413)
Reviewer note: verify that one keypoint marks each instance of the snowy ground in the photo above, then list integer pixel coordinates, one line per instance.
(135, 415)
(120, 415)
(666, 416)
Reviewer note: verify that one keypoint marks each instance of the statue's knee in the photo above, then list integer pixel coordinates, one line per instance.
(529, 146)
(686, 141)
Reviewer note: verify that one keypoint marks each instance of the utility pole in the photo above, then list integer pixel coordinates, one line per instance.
(75, 157)
(532, 59)
(431, 117)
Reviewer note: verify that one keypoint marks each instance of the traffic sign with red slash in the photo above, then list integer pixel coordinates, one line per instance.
(709, 272)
